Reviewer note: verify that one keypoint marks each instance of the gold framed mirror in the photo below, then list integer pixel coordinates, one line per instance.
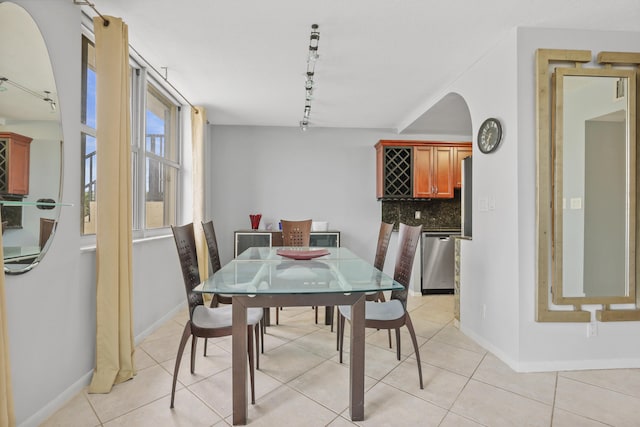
(586, 185)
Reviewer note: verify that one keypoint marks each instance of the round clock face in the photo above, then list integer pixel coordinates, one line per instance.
(489, 135)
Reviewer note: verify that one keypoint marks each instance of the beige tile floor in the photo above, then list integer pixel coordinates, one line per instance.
(302, 383)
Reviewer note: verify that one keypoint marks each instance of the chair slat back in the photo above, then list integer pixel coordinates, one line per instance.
(212, 245)
(186, 246)
(296, 233)
(46, 229)
(407, 244)
(383, 244)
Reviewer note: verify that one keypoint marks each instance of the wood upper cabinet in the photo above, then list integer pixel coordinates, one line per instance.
(393, 171)
(14, 163)
(417, 169)
(433, 171)
(443, 172)
(379, 171)
(459, 154)
(423, 182)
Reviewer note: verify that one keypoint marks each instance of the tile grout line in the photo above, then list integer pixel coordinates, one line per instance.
(555, 394)
(463, 388)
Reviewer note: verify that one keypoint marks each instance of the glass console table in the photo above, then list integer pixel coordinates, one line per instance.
(244, 239)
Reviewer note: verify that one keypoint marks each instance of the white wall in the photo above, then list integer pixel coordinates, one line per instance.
(51, 310)
(489, 277)
(553, 345)
(499, 266)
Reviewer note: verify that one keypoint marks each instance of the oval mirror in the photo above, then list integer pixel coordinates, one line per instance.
(30, 141)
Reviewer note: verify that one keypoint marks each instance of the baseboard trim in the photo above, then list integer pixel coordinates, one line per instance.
(552, 365)
(155, 325)
(66, 395)
(63, 398)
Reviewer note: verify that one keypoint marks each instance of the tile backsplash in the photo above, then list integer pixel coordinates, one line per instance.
(435, 214)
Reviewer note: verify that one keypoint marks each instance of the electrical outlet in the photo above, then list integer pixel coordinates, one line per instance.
(592, 329)
(417, 215)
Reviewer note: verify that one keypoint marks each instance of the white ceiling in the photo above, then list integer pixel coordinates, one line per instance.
(380, 60)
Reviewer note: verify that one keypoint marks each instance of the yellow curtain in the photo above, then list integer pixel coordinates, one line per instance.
(114, 314)
(198, 121)
(7, 416)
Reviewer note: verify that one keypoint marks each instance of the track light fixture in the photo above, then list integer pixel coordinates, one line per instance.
(309, 84)
(47, 97)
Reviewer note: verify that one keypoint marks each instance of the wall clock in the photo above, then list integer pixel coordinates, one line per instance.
(489, 135)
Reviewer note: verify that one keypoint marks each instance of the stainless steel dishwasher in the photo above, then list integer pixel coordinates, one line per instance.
(438, 251)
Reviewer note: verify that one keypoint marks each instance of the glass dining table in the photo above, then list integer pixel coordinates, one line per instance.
(260, 277)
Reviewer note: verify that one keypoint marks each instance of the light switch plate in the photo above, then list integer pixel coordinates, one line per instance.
(483, 204)
(576, 203)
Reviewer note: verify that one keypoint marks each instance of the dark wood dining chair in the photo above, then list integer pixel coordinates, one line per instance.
(384, 236)
(214, 261)
(295, 233)
(207, 322)
(392, 314)
(47, 226)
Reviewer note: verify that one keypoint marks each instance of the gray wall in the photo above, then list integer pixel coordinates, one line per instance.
(326, 174)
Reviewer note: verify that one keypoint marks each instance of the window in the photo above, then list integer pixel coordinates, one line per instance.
(88, 137)
(155, 148)
(161, 160)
